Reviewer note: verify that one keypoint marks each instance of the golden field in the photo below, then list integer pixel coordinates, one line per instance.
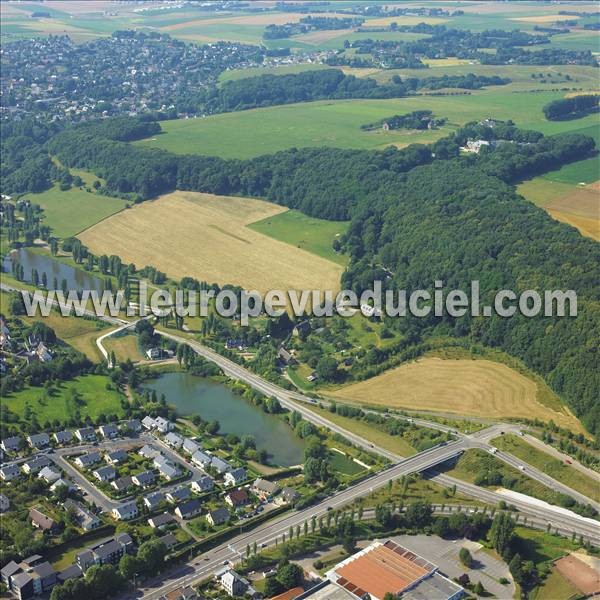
(477, 388)
(205, 236)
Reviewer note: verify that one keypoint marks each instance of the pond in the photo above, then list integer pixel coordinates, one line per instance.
(193, 395)
(56, 271)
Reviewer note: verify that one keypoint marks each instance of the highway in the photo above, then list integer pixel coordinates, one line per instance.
(265, 535)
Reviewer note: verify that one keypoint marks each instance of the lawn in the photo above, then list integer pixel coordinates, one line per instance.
(66, 556)
(235, 74)
(549, 465)
(555, 587)
(336, 123)
(58, 404)
(124, 346)
(70, 212)
(207, 237)
(541, 191)
(478, 388)
(471, 462)
(393, 443)
(304, 232)
(344, 465)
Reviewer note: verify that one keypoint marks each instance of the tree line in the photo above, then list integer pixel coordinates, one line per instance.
(571, 108)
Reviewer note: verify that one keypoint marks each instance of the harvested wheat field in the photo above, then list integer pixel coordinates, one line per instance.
(479, 388)
(580, 208)
(205, 236)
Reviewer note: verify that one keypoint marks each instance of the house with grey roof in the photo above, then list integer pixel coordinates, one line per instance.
(264, 489)
(190, 446)
(63, 437)
(116, 457)
(38, 441)
(12, 444)
(148, 422)
(179, 494)
(49, 474)
(203, 484)
(108, 431)
(221, 466)
(161, 521)
(218, 516)
(174, 440)
(189, 509)
(85, 461)
(9, 472)
(36, 464)
(153, 500)
(235, 476)
(62, 482)
(148, 451)
(4, 503)
(125, 511)
(201, 459)
(131, 426)
(122, 483)
(85, 434)
(144, 479)
(104, 474)
(86, 519)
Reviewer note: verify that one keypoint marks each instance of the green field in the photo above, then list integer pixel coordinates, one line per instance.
(70, 212)
(235, 74)
(58, 404)
(336, 123)
(307, 233)
(344, 465)
(549, 465)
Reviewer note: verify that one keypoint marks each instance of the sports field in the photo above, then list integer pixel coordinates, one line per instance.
(74, 210)
(337, 123)
(206, 237)
(479, 388)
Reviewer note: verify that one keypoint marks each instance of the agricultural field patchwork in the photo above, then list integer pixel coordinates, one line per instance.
(207, 237)
(478, 388)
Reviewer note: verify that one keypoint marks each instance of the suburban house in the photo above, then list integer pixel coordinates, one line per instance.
(85, 461)
(39, 441)
(108, 551)
(11, 444)
(220, 465)
(132, 425)
(63, 437)
(109, 431)
(179, 494)
(218, 516)
(201, 459)
(289, 495)
(85, 434)
(161, 521)
(264, 489)
(87, 520)
(4, 503)
(148, 452)
(116, 457)
(189, 509)
(122, 483)
(174, 440)
(236, 476)
(104, 474)
(144, 479)
(234, 584)
(49, 474)
(41, 521)
(148, 422)
(61, 482)
(237, 498)
(203, 484)
(170, 541)
(125, 512)
(166, 468)
(190, 446)
(163, 425)
(285, 356)
(153, 500)
(36, 465)
(9, 472)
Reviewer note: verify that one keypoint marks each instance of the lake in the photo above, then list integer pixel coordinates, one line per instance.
(193, 395)
(77, 279)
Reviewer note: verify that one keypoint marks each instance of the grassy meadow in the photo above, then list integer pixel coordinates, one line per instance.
(336, 123)
(74, 210)
(57, 404)
(304, 232)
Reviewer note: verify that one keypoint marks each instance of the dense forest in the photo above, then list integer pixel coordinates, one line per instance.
(329, 84)
(571, 108)
(419, 222)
